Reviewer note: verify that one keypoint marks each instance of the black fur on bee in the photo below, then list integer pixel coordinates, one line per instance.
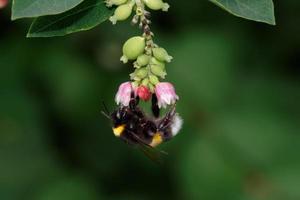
(134, 127)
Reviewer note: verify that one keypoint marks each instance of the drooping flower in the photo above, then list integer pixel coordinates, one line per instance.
(124, 94)
(166, 94)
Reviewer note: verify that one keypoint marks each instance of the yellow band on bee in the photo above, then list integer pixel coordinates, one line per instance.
(156, 140)
(119, 130)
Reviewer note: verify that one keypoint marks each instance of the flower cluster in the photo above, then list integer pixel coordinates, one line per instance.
(149, 59)
(164, 91)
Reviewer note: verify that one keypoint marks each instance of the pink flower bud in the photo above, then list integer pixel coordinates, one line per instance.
(166, 94)
(3, 3)
(143, 92)
(124, 94)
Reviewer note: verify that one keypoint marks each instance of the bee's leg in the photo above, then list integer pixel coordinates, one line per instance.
(166, 121)
(154, 107)
(133, 105)
(134, 101)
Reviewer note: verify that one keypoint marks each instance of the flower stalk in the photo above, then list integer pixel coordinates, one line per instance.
(149, 60)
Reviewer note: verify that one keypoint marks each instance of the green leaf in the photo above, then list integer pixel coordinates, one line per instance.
(83, 17)
(36, 8)
(257, 10)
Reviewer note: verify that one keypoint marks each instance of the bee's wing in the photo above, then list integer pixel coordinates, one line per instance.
(155, 156)
(152, 153)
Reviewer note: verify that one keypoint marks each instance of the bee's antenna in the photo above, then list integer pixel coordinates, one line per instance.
(106, 112)
(105, 108)
(103, 113)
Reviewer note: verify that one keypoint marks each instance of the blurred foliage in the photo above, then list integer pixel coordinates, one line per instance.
(35, 8)
(238, 83)
(64, 17)
(257, 10)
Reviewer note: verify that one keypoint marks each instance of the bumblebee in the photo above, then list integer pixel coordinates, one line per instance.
(133, 126)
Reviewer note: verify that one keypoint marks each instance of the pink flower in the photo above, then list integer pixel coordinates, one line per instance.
(166, 94)
(124, 94)
(143, 92)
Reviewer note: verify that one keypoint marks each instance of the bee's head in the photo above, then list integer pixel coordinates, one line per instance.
(120, 118)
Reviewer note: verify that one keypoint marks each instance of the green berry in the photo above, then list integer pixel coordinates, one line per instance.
(121, 13)
(154, 61)
(110, 3)
(134, 77)
(162, 55)
(153, 79)
(136, 65)
(143, 60)
(157, 5)
(158, 71)
(118, 2)
(135, 84)
(132, 48)
(145, 82)
(141, 73)
(151, 88)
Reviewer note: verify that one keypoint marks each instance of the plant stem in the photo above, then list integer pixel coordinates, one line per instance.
(145, 25)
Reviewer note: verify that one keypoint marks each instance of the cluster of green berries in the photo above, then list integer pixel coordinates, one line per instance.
(149, 60)
(149, 65)
(125, 8)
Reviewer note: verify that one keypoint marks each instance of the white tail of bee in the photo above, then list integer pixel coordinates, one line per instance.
(176, 125)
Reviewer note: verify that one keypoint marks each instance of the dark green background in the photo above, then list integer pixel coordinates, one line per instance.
(238, 83)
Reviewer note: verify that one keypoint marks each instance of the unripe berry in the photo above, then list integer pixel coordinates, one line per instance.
(121, 13)
(134, 77)
(132, 48)
(153, 79)
(162, 55)
(118, 2)
(143, 60)
(158, 71)
(141, 73)
(157, 5)
(136, 65)
(145, 82)
(110, 3)
(135, 84)
(154, 61)
(151, 88)
(158, 68)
